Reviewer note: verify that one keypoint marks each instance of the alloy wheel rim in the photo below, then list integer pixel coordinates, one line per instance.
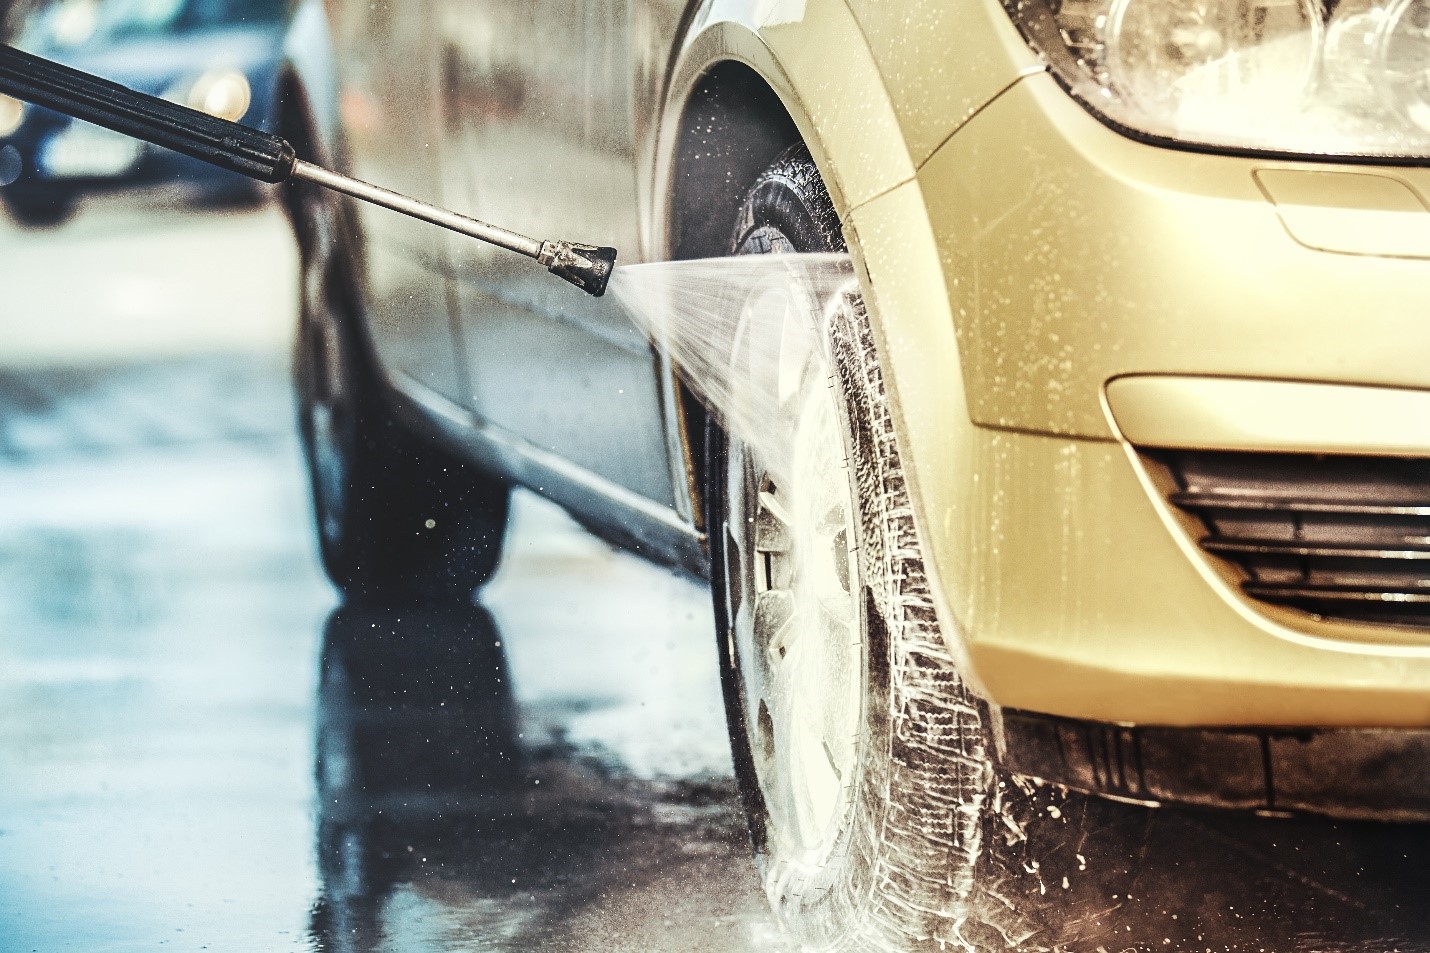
(796, 621)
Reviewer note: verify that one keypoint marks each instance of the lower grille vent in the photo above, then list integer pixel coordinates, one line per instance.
(1341, 537)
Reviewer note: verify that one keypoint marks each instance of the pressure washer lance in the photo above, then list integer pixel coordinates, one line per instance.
(263, 156)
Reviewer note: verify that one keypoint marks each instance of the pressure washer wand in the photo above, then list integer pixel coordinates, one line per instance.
(263, 156)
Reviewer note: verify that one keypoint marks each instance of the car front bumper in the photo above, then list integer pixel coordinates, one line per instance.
(1036, 258)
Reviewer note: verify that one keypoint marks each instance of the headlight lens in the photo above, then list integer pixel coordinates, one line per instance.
(1285, 76)
(222, 93)
(12, 115)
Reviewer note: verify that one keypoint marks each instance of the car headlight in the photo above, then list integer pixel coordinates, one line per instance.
(222, 93)
(12, 115)
(1344, 78)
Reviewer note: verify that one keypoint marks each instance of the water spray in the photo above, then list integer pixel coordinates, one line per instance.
(264, 157)
(748, 335)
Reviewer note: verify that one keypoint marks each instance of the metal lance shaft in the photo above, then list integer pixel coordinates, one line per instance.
(264, 156)
(576, 263)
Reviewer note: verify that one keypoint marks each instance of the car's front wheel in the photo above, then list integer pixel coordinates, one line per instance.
(862, 758)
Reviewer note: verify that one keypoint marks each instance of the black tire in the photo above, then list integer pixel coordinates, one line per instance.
(898, 871)
(399, 519)
(39, 209)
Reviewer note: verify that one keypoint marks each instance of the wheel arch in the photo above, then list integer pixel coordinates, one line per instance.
(731, 70)
(305, 90)
(778, 83)
(733, 126)
(299, 122)
(294, 122)
(740, 94)
(307, 78)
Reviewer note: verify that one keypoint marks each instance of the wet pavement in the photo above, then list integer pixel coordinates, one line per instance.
(200, 749)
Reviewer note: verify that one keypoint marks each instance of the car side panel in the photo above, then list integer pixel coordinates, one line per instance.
(541, 138)
(390, 108)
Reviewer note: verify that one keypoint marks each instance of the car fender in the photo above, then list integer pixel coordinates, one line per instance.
(852, 77)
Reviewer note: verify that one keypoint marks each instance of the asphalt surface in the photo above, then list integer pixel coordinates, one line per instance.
(200, 749)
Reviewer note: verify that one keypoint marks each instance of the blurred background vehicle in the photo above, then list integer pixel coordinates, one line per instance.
(220, 56)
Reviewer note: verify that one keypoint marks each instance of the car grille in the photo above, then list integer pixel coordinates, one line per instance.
(1340, 537)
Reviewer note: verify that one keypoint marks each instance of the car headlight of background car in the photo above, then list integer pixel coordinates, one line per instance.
(222, 93)
(12, 115)
(1346, 78)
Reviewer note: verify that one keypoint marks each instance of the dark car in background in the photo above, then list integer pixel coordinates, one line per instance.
(220, 56)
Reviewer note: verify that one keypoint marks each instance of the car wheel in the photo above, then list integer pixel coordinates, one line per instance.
(398, 518)
(862, 759)
(40, 210)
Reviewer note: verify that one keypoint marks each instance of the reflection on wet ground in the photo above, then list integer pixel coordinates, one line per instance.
(158, 616)
(442, 823)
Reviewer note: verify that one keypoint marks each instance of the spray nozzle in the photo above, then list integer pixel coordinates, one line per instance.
(588, 267)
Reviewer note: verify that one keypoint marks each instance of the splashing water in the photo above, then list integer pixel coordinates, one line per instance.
(746, 334)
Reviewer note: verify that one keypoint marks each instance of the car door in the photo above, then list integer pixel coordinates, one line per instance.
(541, 138)
(390, 103)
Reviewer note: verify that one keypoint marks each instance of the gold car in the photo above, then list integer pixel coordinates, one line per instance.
(1112, 477)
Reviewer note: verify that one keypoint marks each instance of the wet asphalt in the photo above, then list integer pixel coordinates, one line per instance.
(202, 749)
